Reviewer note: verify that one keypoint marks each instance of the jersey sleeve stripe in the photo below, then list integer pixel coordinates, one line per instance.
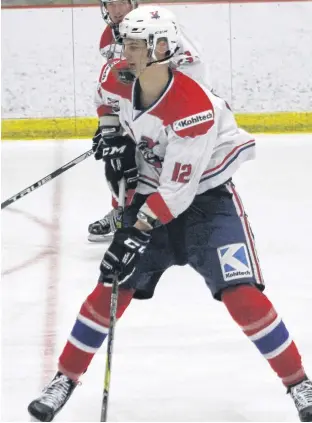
(155, 181)
(159, 207)
(210, 173)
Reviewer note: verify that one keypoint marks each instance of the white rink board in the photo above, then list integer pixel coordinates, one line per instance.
(51, 65)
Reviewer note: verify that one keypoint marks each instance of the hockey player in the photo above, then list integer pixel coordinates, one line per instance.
(113, 12)
(188, 59)
(186, 209)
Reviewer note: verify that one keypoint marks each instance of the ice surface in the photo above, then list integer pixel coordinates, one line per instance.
(179, 356)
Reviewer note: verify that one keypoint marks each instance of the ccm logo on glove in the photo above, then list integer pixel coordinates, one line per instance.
(135, 245)
(123, 255)
(112, 151)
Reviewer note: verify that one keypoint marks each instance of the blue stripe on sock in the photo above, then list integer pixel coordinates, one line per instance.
(87, 336)
(272, 340)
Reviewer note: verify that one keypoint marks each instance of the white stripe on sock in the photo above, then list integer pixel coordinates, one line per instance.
(266, 330)
(288, 380)
(91, 324)
(81, 346)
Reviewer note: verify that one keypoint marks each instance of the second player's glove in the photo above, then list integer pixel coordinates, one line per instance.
(98, 141)
(119, 157)
(122, 256)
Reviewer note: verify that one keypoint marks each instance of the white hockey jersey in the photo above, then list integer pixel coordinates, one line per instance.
(187, 141)
(189, 58)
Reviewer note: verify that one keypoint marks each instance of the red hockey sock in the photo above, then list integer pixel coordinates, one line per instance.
(90, 330)
(255, 314)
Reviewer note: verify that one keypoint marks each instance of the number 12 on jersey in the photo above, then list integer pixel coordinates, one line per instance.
(181, 173)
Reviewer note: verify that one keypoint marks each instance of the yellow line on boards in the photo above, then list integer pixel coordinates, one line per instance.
(84, 127)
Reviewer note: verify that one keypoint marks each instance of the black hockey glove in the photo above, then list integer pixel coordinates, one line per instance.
(119, 158)
(123, 254)
(101, 134)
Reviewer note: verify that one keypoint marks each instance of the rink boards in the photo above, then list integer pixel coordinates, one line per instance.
(49, 80)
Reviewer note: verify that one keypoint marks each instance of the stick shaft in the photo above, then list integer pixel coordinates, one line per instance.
(112, 317)
(46, 179)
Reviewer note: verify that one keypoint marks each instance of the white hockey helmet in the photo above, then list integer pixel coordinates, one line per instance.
(152, 23)
(105, 14)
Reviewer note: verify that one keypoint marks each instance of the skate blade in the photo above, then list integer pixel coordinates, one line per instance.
(33, 419)
(100, 238)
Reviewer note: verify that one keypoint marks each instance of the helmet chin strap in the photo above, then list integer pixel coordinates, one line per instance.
(164, 60)
(159, 62)
(127, 77)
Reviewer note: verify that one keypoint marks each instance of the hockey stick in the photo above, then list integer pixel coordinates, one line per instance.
(46, 179)
(113, 311)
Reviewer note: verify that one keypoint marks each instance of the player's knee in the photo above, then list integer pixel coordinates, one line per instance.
(246, 303)
(98, 303)
(124, 298)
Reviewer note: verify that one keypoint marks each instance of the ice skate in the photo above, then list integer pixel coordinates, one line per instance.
(103, 230)
(302, 396)
(53, 398)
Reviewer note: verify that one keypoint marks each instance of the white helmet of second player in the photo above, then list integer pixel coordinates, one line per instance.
(152, 23)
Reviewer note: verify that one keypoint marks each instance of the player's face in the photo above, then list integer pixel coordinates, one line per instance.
(135, 52)
(118, 9)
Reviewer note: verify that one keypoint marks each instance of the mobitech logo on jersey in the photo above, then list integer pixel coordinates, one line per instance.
(234, 260)
(193, 120)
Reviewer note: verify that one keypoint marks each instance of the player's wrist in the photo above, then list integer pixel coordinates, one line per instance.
(145, 222)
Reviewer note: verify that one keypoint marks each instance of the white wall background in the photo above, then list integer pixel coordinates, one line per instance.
(259, 55)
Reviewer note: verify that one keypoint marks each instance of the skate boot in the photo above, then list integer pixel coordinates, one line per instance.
(302, 396)
(103, 230)
(53, 398)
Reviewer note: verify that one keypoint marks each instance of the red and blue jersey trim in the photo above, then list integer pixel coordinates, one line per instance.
(227, 161)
